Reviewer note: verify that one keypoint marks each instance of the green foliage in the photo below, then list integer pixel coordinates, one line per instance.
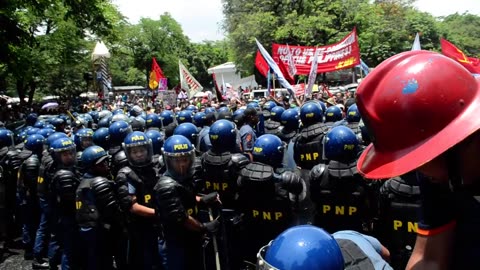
(462, 30)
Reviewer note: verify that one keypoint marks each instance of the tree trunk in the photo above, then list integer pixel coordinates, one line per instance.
(33, 86)
(21, 91)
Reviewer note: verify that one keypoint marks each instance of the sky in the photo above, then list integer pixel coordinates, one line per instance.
(201, 19)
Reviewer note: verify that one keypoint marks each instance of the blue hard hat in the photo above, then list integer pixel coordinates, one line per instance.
(54, 136)
(311, 113)
(254, 105)
(276, 113)
(353, 114)
(105, 122)
(95, 115)
(21, 137)
(120, 117)
(57, 123)
(333, 114)
(157, 140)
(341, 144)
(184, 117)
(6, 137)
(35, 143)
(268, 149)
(101, 137)
(238, 117)
(289, 119)
(179, 155)
(303, 247)
(199, 119)
(138, 149)
(166, 117)
(269, 105)
(93, 155)
(153, 121)
(84, 138)
(138, 123)
(118, 131)
(31, 119)
(117, 111)
(188, 130)
(223, 136)
(224, 109)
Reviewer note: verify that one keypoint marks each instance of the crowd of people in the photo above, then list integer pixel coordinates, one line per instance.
(262, 185)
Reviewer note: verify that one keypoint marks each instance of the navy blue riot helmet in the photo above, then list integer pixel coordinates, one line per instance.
(58, 123)
(121, 117)
(6, 138)
(53, 137)
(118, 131)
(199, 119)
(223, 136)
(210, 110)
(138, 123)
(45, 132)
(93, 155)
(166, 117)
(276, 113)
(333, 114)
(187, 130)
(63, 152)
(105, 122)
(289, 119)
(184, 117)
(35, 143)
(179, 155)
(39, 124)
(223, 109)
(238, 117)
(353, 115)
(192, 108)
(341, 144)
(157, 141)
(254, 105)
(269, 105)
(31, 119)
(153, 121)
(84, 138)
(303, 247)
(268, 149)
(117, 111)
(32, 131)
(101, 137)
(95, 116)
(311, 113)
(138, 149)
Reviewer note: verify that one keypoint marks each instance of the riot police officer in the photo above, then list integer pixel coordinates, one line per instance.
(97, 210)
(153, 122)
(399, 204)
(9, 164)
(338, 191)
(273, 123)
(333, 114)
(184, 116)
(247, 132)
(83, 139)
(118, 131)
(176, 201)
(290, 125)
(204, 143)
(27, 190)
(45, 236)
(63, 187)
(267, 194)
(166, 118)
(157, 144)
(188, 130)
(308, 148)
(101, 137)
(139, 177)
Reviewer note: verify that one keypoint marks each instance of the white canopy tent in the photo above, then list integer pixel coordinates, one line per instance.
(227, 73)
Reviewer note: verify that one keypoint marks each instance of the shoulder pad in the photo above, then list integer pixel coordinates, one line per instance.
(165, 182)
(313, 131)
(24, 154)
(120, 157)
(32, 161)
(317, 171)
(257, 172)
(125, 170)
(398, 186)
(217, 160)
(239, 160)
(63, 174)
(160, 161)
(340, 169)
(100, 184)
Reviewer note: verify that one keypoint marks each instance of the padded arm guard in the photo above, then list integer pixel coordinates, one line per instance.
(168, 201)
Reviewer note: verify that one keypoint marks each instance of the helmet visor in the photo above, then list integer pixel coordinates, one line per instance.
(262, 264)
(180, 166)
(66, 157)
(139, 155)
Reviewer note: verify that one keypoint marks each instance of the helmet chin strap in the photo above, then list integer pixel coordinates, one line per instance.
(453, 166)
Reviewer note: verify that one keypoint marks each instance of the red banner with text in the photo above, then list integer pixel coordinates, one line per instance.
(341, 55)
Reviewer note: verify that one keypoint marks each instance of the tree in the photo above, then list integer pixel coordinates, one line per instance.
(462, 30)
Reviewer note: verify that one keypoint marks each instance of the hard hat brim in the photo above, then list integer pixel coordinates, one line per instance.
(375, 164)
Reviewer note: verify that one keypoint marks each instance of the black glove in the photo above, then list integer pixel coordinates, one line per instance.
(292, 182)
(211, 227)
(210, 198)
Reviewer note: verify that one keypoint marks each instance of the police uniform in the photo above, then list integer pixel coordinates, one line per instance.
(265, 204)
(308, 149)
(399, 205)
(272, 127)
(248, 137)
(118, 159)
(340, 196)
(285, 134)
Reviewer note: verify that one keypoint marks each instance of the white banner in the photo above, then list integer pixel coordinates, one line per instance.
(187, 81)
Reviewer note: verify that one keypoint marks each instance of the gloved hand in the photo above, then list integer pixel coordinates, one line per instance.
(292, 182)
(210, 199)
(211, 227)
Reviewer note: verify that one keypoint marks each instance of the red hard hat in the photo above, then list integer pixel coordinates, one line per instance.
(416, 105)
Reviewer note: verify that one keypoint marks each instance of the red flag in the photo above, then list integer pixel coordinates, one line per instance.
(285, 72)
(261, 64)
(218, 93)
(155, 75)
(450, 50)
